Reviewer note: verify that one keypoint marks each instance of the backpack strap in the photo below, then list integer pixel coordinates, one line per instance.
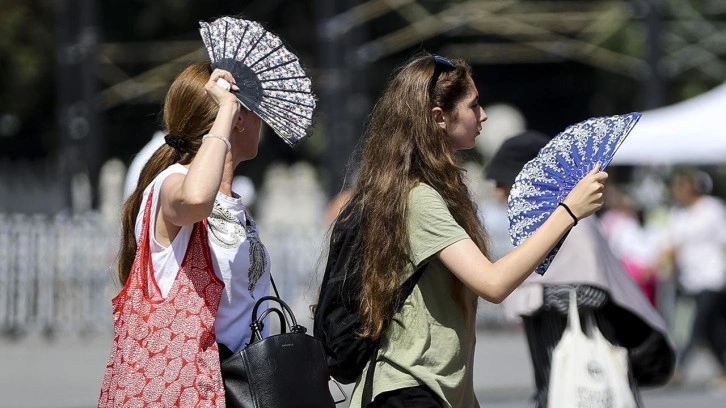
(367, 394)
(408, 286)
(406, 289)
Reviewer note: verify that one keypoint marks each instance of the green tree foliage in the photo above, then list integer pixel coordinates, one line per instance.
(27, 56)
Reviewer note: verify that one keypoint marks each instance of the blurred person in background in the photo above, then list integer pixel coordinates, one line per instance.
(338, 202)
(629, 241)
(416, 210)
(244, 187)
(494, 211)
(604, 290)
(336, 205)
(182, 304)
(139, 161)
(697, 246)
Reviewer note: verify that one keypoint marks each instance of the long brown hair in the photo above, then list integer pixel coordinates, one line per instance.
(188, 114)
(404, 146)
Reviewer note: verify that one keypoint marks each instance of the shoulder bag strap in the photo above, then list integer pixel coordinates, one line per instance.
(274, 287)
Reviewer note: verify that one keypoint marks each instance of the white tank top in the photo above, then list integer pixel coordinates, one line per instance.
(239, 257)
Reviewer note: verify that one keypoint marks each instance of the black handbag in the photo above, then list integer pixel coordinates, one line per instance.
(286, 370)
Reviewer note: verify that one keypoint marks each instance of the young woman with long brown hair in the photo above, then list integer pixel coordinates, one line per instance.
(416, 210)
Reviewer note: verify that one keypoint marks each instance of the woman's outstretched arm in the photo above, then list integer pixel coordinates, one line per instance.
(495, 281)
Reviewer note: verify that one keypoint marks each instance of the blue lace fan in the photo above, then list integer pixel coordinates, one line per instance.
(272, 82)
(548, 178)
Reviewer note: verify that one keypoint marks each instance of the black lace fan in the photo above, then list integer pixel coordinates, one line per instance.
(271, 81)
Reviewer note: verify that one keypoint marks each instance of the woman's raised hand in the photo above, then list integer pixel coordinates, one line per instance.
(587, 195)
(219, 94)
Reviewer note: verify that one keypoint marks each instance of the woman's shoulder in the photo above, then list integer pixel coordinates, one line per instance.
(423, 191)
(425, 200)
(175, 168)
(713, 203)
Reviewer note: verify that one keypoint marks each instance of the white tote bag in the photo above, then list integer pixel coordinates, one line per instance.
(588, 372)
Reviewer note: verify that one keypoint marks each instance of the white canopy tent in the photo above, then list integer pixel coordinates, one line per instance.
(692, 131)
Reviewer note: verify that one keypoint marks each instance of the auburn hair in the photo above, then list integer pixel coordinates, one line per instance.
(188, 114)
(404, 146)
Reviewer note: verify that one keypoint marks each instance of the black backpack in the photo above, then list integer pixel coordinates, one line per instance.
(336, 318)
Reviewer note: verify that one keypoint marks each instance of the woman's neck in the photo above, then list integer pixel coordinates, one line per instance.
(225, 186)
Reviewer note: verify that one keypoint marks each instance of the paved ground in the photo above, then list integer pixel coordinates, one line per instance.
(503, 377)
(66, 373)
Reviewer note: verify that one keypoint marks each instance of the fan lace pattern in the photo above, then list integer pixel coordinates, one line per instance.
(548, 179)
(272, 82)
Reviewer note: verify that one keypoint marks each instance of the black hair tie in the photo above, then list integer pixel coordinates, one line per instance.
(175, 141)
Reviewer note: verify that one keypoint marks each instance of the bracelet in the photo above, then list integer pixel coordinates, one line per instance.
(574, 218)
(207, 136)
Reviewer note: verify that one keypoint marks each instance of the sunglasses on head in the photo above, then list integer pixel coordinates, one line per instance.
(438, 59)
(440, 64)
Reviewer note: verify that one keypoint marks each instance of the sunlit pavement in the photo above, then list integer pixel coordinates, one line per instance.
(66, 373)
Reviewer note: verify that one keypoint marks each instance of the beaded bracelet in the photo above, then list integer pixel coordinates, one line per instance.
(574, 218)
(229, 145)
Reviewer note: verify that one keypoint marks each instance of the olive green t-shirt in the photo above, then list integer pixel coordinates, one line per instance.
(431, 340)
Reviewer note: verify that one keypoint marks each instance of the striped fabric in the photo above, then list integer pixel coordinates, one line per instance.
(557, 298)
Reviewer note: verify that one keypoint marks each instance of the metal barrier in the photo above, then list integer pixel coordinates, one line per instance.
(57, 274)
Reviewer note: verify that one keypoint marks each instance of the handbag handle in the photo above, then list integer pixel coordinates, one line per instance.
(257, 324)
(281, 317)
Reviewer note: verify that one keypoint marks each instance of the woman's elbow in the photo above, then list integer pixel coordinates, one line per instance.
(198, 201)
(189, 212)
(499, 298)
(494, 295)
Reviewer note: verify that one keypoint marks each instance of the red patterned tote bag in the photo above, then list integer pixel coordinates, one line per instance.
(164, 350)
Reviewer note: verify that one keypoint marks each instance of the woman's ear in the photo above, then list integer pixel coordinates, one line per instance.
(239, 122)
(439, 117)
(243, 117)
